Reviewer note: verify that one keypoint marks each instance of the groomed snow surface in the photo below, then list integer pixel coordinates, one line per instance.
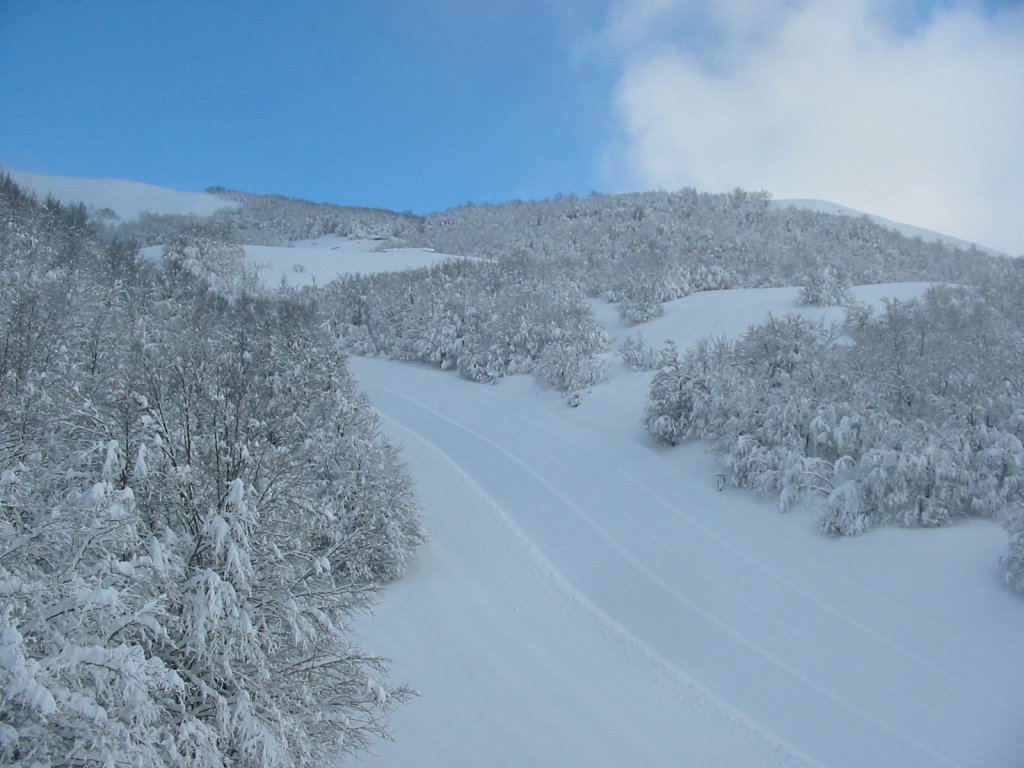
(588, 598)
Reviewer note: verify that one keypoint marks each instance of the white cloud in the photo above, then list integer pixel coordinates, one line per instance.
(826, 99)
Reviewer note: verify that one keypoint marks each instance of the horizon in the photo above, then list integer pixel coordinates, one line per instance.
(908, 110)
(115, 197)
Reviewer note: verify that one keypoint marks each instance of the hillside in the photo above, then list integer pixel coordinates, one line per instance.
(908, 230)
(116, 200)
(318, 261)
(590, 599)
(603, 404)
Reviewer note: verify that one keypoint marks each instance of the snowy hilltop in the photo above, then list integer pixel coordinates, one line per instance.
(115, 200)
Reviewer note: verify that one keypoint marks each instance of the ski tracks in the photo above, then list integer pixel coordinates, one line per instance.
(635, 540)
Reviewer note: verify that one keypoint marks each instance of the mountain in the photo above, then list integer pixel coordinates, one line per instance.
(125, 200)
(599, 587)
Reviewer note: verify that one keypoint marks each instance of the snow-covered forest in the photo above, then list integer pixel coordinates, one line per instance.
(196, 500)
(912, 417)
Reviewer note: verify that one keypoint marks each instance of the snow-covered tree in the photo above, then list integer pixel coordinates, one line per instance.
(637, 355)
(668, 405)
(911, 418)
(825, 287)
(193, 502)
(1013, 561)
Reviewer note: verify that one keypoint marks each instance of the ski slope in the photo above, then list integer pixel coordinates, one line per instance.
(590, 599)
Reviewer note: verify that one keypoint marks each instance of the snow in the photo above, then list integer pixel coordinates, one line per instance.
(590, 599)
(127, 199)
(711, 313)
(305, 262)
(319, 261)
(731, 313)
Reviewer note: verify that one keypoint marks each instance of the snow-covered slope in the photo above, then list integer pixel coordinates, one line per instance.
(908, 230)
(126, 199)
(325, 258)
(303, 263)
(590, 599)
(731, 313)
(317, 262)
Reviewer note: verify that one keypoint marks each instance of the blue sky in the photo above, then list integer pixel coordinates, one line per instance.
(397, 104)
(912, 110)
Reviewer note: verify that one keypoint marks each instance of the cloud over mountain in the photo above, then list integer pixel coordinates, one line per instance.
(886, 106)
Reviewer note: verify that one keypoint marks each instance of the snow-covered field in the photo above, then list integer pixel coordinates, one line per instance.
(317, 262)
(590, 599)
(320, 261)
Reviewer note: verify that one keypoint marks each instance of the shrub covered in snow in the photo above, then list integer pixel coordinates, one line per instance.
(637, 355)
(486, 319)
(913, 417)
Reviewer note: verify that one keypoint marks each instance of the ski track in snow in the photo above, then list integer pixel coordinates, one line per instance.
(740, 635)
(659, 585)
(569, 652)
(784, 582)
